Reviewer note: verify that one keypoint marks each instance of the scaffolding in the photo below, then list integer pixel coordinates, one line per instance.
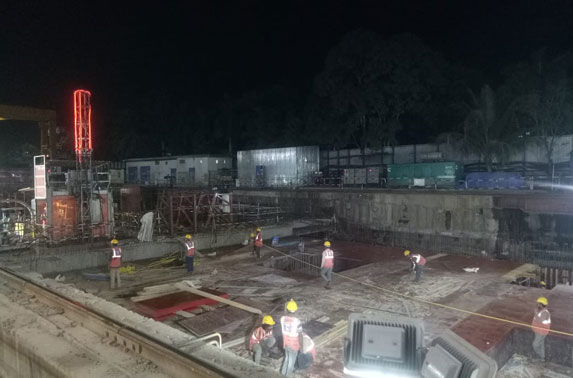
(180, 210)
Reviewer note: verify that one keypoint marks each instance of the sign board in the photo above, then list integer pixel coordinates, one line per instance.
(40, 177)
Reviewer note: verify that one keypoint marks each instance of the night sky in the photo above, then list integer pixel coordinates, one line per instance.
(199, 51)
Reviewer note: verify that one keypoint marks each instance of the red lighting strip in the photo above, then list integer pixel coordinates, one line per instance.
(75, 121)
(90, 122)
(82, 118)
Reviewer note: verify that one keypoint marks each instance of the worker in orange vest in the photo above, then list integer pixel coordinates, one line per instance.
(258, 243)
(114, 265)
(262, 339)
(541, 324)
(189, 253)
(418, 263)
(327, 264)
(291, 327)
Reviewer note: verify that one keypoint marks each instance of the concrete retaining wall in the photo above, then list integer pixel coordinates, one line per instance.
(74, 257)
(442, 222)
(514, 225)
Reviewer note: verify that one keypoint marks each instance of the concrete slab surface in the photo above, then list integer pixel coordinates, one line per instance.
(386, 269)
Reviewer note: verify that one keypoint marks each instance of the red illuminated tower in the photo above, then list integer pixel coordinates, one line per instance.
(83, 147)
(83, 124)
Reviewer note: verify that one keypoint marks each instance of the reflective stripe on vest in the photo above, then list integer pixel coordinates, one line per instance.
(190, 248)
(543, 326)
(116, 252)
(328, 258)
(420, 260)
(259, 335)
(115, 257)
(259, 240)
(290, 328)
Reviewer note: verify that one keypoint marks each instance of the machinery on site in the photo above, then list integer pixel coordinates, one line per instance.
(71, 198)
(390, 346)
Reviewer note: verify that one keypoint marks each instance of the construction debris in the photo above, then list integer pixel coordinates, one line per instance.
(186, 287)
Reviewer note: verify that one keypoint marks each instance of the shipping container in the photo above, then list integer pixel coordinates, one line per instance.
(184, 170)
(275, 167)
(439, 174)
(494, 180)
(348, 176)
(373, 175)
(360, 176)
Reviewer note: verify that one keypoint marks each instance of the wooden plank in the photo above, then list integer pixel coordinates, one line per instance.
(185, 287)
(339, 330)
(145, 297)
(184, 314)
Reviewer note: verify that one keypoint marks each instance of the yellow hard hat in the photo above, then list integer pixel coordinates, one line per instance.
(252, 235)
(542, 283)
(268, 320)
(188, 236)
(291, 306)
(327, 243)
(543, 301)
(114, 241)
(406, 253)
(258, 229)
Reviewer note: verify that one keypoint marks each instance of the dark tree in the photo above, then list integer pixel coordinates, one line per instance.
(369, 84)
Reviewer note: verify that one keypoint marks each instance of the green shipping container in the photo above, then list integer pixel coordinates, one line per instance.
(440, 174)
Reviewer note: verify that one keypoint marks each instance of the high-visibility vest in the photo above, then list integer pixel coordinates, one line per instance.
(542, 320)
(291, 327)
(190, 244)
(419, 259)
(259, 335)
(327, 258)
(259, 240)
(115, 257)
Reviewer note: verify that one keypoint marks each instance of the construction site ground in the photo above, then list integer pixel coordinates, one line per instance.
(248, 280)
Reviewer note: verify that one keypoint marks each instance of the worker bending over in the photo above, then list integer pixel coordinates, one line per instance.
(114, 265)
(190, 253)
(327, 264)
(292, 338)
(307, 353)
(541, 325)
(262, 339)
(418, 263)
(258, 243)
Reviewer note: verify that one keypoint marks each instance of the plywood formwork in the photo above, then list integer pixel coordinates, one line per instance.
(164, 307)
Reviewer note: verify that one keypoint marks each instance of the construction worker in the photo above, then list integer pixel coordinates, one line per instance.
(307, 353)
(114, 265)
(327, 264)
(541, 324)
(258, 243)
(190, 253)
(252, 240)
(418, 263)
(262, 339)
(292, 337)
